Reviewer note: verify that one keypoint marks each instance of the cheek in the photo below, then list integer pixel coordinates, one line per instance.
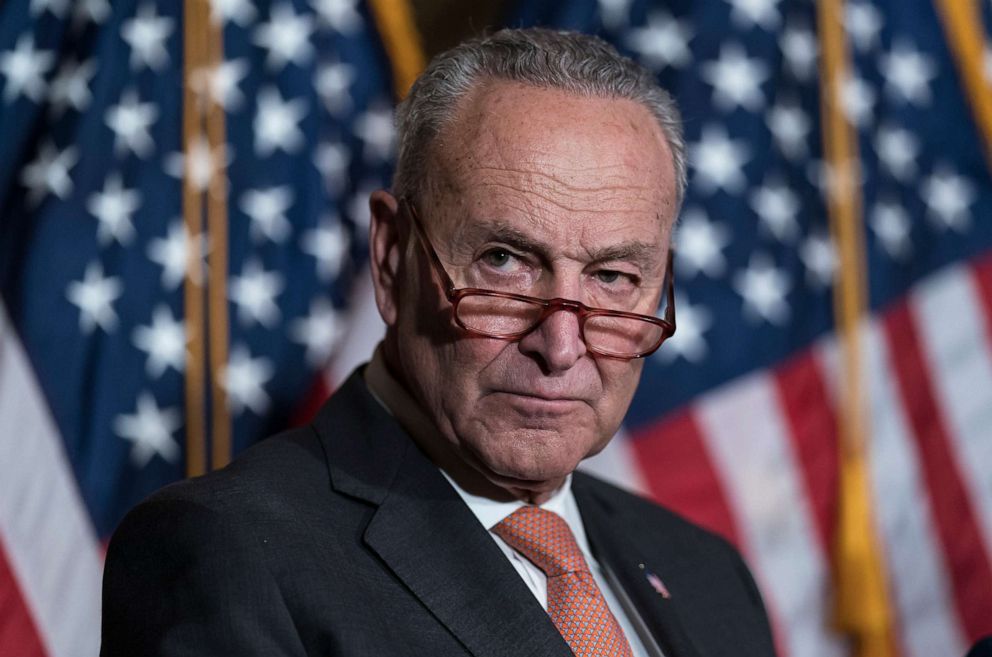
(620, 380)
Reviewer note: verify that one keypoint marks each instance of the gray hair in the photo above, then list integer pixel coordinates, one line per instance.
(578, 63)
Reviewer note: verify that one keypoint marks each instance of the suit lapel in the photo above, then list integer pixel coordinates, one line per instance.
(616, 545)
(428, 538)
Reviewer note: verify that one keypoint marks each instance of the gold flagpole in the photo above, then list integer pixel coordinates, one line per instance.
(195, 20)
(962, 21)
(861, 606)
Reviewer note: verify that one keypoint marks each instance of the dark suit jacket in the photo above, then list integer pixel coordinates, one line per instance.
(342, 538)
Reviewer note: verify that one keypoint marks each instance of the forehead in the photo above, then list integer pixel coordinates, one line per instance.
(554, 162)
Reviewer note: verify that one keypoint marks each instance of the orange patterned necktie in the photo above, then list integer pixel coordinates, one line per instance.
(575, 603)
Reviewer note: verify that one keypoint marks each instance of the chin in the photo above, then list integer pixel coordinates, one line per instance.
(531, 459)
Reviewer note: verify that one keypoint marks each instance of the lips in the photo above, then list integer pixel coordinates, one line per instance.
(541, 402)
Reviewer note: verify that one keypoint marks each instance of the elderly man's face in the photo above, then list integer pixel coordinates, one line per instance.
(553, 195)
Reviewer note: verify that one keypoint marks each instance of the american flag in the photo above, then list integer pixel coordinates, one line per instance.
(94, 252)
(737, 419)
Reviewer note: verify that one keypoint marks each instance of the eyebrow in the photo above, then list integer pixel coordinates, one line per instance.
(643, 254)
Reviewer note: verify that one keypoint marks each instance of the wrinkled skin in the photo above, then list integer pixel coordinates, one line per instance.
(554, 195)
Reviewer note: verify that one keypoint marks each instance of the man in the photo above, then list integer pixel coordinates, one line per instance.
(521, 265)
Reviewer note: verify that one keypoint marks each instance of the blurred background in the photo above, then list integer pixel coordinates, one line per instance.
(183, 217)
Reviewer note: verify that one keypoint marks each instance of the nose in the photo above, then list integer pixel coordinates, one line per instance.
(556, 342)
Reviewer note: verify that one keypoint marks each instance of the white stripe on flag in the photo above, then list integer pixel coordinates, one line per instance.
(364, 330)
(617, 464)
(47, 534)
(746, 434)
(954, 337)
(925, 620)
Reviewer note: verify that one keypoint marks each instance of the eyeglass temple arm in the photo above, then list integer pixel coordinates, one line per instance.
(411, 210)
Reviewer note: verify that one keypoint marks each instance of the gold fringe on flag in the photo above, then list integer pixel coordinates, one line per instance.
(962, 21)
(861, 606)
(398, 31)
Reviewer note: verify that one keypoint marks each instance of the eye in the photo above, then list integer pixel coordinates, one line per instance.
(497, 258)
(608, 276)
(616, 278)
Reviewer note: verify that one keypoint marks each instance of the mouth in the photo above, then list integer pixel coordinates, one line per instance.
(538, 403)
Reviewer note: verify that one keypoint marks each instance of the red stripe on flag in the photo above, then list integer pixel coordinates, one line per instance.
(680, 475)
(813, 432)
(957, 528)
(315, 398)
(18, 633)
(983, 278)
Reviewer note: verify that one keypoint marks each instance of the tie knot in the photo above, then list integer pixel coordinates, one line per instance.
(544, 538)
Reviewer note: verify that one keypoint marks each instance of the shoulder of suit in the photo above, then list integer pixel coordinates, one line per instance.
(267, 478)
(647, 514)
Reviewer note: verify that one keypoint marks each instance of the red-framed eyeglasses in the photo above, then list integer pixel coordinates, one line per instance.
(509, 316)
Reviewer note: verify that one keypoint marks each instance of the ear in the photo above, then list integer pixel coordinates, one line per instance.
(384, 253)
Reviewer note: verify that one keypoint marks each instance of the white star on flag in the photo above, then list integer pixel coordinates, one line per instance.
(897, 151)
(71, 87)
(664, 42)
(790, 127)
(172, 254)
(763, 288)
(24, 70)
(688, 342)
(340, 15)
(736, 79)
(319, 332)
(333, 83)
(800, 48)
(95, 296)
(254, 292)
(146, 33)
(948, 197)
(763, 13)
(328, 244)
(863, 22)
(375, 129)
(908, 73)
(719, 161)
(244, 379)
(332, 159)
(286, 36)
(239, 12)
(820, 259)
(267, 209)
(615, 13)
(48, 173)
(131, 121)
(150, 431)
(164, 341)
(276, 123)
(221, 83)
(358, 207)
(857, 100)
(700, 246)
(200, 165)
(891, 224)
(113, 208)
(777, 207)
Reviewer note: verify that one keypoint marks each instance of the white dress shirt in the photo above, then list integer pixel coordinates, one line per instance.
(398, 402)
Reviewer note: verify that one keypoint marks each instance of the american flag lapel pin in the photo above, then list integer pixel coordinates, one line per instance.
(658, 585)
